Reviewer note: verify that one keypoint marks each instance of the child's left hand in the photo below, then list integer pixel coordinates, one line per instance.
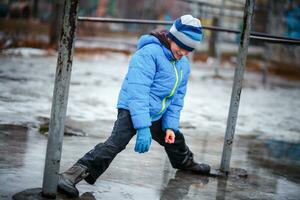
(170, 136)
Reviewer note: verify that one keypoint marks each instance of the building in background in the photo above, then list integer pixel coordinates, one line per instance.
(284, 20)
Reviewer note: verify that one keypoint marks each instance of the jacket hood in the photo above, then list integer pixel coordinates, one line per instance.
(150, 39)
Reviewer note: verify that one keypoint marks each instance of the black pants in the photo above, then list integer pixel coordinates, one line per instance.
(98, 159)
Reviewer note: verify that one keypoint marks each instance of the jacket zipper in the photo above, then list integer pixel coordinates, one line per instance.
(173, 90)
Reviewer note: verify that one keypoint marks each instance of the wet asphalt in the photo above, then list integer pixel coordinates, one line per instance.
(272, 162)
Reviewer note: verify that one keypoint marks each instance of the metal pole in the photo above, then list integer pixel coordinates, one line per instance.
(267, 54)
(253, 35)
(60, 99)
(219, 41)
(237, 86)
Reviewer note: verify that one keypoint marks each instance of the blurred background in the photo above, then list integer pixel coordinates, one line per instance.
(267, 139)
(36, 23)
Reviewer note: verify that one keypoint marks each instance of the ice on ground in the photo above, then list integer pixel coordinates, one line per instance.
(270, 110)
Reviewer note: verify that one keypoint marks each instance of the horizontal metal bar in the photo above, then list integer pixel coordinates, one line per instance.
(253, 35)
(216, 28)
(273, 36)
(125, 21)
(275, 40)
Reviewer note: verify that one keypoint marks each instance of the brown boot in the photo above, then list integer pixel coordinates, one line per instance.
(68, 179)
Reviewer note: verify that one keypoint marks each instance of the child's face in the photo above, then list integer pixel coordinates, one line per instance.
(177, 51)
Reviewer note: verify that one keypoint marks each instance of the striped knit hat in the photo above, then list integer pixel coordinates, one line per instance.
(186, 32)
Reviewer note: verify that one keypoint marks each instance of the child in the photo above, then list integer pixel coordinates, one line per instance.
(149, 105)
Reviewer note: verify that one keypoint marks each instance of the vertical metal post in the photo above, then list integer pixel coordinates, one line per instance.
(237, 86)
(219, 40)
(60, 98)
(267, 54)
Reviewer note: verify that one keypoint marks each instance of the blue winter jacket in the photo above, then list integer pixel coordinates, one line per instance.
(155, 85)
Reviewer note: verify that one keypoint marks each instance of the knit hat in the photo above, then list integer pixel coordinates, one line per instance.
(186, 32)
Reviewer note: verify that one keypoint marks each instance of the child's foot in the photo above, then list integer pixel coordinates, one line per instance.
(198, 168)
(68, 180)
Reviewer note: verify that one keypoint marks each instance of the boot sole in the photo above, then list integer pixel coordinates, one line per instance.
(62, 188)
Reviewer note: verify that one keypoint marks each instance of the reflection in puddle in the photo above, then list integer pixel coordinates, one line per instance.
(281, 157)
(283, 150)
(13, 143)
(179, 186)
(221, 189)
(87, 196)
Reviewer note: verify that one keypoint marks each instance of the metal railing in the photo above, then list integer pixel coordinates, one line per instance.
(253, 35)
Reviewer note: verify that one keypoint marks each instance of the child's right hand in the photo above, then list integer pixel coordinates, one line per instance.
(143, 140)
(170, 136)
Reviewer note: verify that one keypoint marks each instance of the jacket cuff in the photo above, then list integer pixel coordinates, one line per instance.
(141, 120)
(169, 122)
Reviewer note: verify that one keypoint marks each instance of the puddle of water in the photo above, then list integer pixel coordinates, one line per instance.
(131, 175)
(13, 144)
(281, 157)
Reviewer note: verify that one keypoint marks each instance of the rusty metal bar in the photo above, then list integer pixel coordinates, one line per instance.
(253, 35)
(237, 86)
(60, 98)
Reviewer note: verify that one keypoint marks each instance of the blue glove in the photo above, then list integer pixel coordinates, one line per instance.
(143, 140)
